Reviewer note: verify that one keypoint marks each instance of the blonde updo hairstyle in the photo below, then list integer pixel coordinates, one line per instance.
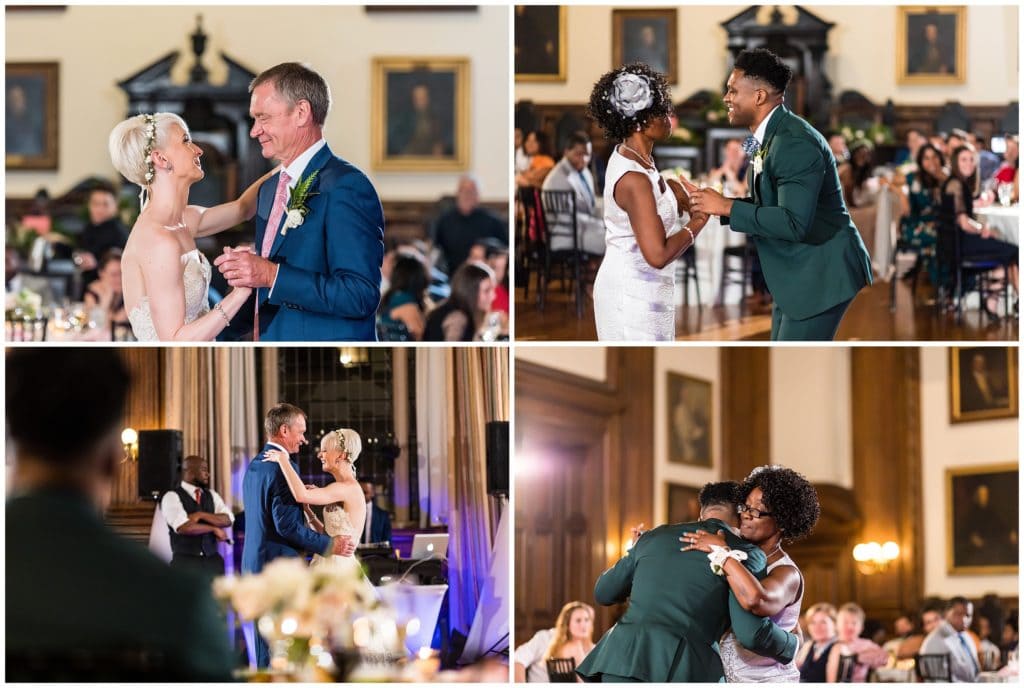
(129, 140)
(343, 439)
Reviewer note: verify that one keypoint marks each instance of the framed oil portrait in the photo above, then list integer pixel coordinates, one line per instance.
(540, 43)
(982, 383)
(422, 106)
(688, 419)
(681, 503)
(32, 135)
(931, 45)
(982, 527)
(647, 36)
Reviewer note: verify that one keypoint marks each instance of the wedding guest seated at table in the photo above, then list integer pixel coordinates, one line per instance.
(84, 603)
(104, 232)
(731, 174)
(1006, 173)
(812, 658)
(915, 139)
(956, 139)
(462, 316)
(572, 173)
(572, 637)
(405, 303)
(988, 162)
(105, 293)
(860, 187)
(949, 637)
(837, 144)
(463, 225)
(1010, 637)
(521, 161)
(919, 205)
(867, 654)
(537, 150)
(902, 629)
(957, 212)
(988, 651)
(939, 141)
(496, 257)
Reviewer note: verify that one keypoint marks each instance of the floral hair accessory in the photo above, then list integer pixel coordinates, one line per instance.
(341, 440)
(148, 154)
(631, 93)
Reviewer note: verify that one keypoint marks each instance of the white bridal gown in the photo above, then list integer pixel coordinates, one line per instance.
(197, 284)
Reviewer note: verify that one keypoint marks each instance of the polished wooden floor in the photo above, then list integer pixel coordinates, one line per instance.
(868, 319)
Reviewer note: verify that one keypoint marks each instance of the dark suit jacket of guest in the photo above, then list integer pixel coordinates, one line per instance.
(328, 280)
(678, 610)
(380, 525)
(74, 585)
(811, 253)
(275, 525)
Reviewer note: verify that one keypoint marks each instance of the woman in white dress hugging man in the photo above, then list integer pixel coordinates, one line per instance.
(647, 223)
(343, 500)
(165, 277)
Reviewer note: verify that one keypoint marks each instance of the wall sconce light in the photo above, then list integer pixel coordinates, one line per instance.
(130, 440)
(873, 558)
(349, 356)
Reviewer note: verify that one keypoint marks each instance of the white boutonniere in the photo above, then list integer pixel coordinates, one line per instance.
(297, 208)
(758, 161)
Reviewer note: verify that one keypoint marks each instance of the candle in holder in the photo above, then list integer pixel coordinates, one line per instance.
(427, 663)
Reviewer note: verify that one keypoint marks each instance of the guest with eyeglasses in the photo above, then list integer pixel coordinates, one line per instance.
(778, 505)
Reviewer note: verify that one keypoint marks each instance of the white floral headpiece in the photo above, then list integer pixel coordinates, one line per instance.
(148, 154)
(631, 93)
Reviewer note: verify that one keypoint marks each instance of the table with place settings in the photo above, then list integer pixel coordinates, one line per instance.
(1003, 220)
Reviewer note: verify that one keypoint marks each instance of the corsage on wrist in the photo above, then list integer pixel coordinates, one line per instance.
(718, 555)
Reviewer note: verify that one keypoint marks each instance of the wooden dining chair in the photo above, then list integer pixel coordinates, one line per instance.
(562, 670)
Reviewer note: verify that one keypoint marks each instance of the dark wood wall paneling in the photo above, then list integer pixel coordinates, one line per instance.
(143, 411)
(586, 449)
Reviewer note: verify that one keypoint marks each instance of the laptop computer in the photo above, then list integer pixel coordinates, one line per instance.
(429, 545)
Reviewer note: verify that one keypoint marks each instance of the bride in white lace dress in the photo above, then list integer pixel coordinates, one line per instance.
(646, 224)
(343, 500)
(165, 277)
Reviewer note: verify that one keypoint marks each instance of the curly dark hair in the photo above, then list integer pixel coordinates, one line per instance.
(721, 494)
(928, 181)
(788, 496)
(616, 125)
(763, 64)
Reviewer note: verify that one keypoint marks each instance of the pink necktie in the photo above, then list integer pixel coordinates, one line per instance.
(269, 234)
(276, 213)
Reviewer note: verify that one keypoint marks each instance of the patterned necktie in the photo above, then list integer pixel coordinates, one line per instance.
(199, 497)
(751, 146)
(590, 193)
(276, 213)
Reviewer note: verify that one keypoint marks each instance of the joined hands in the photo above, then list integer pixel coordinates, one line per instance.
(241, 267)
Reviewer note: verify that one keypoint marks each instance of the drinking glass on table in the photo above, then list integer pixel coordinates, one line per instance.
(1005, 192)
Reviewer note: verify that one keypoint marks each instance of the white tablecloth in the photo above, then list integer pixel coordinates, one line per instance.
(1004, 221)
(710, 246)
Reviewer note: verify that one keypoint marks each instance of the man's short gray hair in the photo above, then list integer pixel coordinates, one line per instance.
(294, 82)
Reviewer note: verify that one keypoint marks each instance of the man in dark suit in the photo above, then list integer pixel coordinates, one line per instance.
(319, 221)
(275, 525)
(678, 607)
(84, 603)
(104, 232)
(811, 254)
(378, 522)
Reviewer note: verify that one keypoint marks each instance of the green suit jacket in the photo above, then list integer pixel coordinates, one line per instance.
(811, 253)
(76, 586)
(678, 609)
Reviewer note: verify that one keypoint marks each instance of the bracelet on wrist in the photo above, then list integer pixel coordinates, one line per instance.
(693, 239)
(217, 307)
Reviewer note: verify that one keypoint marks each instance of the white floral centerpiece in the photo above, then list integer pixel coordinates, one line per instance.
(304, 612)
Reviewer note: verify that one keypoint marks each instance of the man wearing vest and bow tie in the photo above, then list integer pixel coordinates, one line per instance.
(812, 256)
(572, 174)
(197, 518)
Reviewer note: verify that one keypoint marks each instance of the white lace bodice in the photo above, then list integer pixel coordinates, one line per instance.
(743, 666)
(632, 300)
(337, 522)
(197, 284)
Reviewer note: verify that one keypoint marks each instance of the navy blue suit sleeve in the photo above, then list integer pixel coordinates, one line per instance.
(386, 530)
(291, 524)
(355, 251)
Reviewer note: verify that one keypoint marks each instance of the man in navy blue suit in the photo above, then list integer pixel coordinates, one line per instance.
(378, 521)
(274, 522)
(319, 222)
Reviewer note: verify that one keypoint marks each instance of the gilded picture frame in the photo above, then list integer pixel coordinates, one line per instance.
(647, 36)
(931, 45)
(982, 383)
(32, 132)
(540, 43)
(681, 504)
(982, 507)
(421, 119)
(689, 420)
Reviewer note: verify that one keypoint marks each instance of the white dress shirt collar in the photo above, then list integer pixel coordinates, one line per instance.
(275, 445)
(190, 489)
(299, 164)
(761, 128)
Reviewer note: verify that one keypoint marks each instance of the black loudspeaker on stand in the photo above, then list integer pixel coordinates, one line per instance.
(160, 454)
(497, 457)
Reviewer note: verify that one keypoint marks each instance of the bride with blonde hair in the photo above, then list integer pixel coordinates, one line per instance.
(165, 277)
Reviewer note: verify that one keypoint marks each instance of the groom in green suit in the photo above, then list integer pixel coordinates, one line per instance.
(679, 608)
(811, 254)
